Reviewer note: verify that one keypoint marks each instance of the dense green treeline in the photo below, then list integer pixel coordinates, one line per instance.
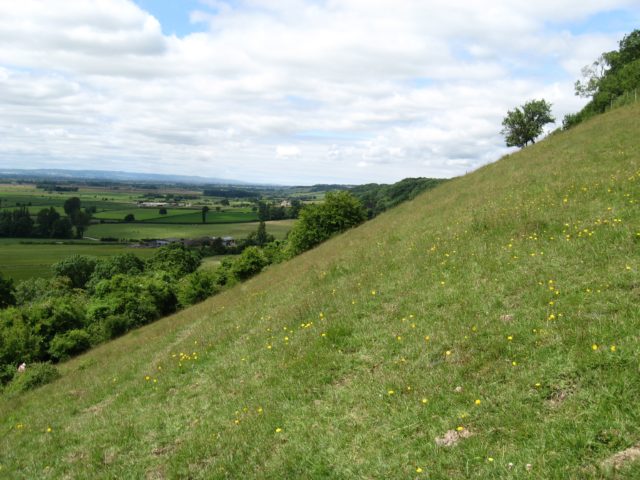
(49, 223)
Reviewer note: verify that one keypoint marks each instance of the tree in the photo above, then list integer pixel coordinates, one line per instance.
(129, 217)
(175, 259)
(250, 262)
(7, 297)
(78, 268)
(82, 222)
(162, 211)
(124, 263)
(45, 221)
(205, 210)
(317, 222)
(72, 206)
(224, 202)
(78, 218)
(524, 124)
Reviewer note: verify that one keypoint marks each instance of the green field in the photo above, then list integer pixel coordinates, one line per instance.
(180, 215)
(487, 329)
(34, 257)
(22, 261)
(141, 230)
(141, 214)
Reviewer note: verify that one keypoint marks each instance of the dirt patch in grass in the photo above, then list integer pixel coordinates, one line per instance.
(619, 459)
(451, 437)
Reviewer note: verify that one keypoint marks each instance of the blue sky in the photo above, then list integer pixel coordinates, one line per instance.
(293, 91)
(174, 15)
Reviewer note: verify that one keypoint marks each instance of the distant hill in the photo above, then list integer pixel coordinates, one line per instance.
(379, 197)
(43, 174)
(486, 329)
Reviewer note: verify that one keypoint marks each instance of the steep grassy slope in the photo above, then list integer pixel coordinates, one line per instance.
(502, 306)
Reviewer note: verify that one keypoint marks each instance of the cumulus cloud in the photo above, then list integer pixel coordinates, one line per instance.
(292, 91)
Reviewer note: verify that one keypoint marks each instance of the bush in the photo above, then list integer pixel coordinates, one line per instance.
(125, 263)
(18, 342)
(78, 268)
(139, 299)
(56, 315)
(7, 372)
(68, 344)
(36, 375)
(339, 212)
(250, 262)
(196, 287)
(175, 259)
(6, 292)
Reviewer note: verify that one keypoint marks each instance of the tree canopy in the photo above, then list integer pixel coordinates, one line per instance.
(524, 124)
(339, 212)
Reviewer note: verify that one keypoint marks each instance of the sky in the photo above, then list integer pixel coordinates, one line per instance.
(287, 91)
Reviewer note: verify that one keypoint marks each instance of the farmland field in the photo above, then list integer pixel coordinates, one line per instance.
(149, 230)
(25, 260)
(180, 215)
(22, 258)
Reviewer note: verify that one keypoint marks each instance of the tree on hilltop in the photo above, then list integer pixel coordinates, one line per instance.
(524, 124)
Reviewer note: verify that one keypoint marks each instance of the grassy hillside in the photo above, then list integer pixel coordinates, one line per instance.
(501, 307)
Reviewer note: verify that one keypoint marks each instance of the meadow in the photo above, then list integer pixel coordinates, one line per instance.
(25, 260)
(486, 329)
(277, 228)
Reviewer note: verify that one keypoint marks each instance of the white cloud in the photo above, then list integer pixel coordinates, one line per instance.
(404, 87)
(287, 151)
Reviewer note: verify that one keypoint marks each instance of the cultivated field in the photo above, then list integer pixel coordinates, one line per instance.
(145, 230)
(25, 260)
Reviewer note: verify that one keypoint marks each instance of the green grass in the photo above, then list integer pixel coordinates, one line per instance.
(510, 286)
(141, 230)
(229, 216)
(141, 214)
(180, 215)
(22, 261)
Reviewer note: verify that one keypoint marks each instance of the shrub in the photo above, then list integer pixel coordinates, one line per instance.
(6, 292)
(78, 268)
(69, 343)
(175, 259)
(139, 299)
(125, 263)
(7, 372)
(36, 375)
(250, 262)
(339, 212)
(196, 287)
(18, 342)
(32, 290)
(56, 315)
